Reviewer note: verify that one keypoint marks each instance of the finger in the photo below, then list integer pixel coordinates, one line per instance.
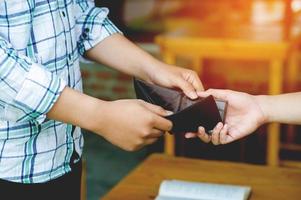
(217, 93)
(190, 135)
(216, 134)
(155, 133)
(161, 123)
(187, 88)
(233, 134)
(224, 135)
(203, 135)
(157, 109)
(197, 84)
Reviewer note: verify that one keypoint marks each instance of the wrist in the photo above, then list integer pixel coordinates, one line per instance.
(96, 119)
(264, 105)
(75, 108)
(151, 68)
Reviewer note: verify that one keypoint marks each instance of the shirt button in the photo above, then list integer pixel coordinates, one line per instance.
(63, 13)
(87, 30)
(84, 35)
(69, 56)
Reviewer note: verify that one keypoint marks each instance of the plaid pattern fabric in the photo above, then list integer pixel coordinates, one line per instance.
(41, 42)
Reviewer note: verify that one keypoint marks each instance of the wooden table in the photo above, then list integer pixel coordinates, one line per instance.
(241, 42)
(266, 182)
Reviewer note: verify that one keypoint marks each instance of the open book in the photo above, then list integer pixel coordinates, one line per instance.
(182, 190)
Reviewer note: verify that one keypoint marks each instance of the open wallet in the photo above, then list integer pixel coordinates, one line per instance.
(188, 114)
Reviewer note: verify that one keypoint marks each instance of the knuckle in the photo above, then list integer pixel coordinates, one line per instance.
(131, 149)
(169, 126)
(134, 148)
(160, 109)
(151, 120)
(190, 71)
(194, 73)
(145, 133)
(203, 137)
(206, 140)
(139, 142)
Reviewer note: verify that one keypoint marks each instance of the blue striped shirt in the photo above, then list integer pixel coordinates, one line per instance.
(41, 43)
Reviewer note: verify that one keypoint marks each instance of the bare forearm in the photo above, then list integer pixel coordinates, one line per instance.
(129, 124)
(118, 52)
(76, 108)
(285, 108)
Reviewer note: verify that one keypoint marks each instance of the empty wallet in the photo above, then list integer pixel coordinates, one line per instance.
(188, 114)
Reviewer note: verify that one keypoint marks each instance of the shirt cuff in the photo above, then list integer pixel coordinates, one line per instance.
(37, 95)
(95, 27)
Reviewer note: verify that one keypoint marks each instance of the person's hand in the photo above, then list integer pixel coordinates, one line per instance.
(243, 116)
(176, 77)
(128, 58)
(128, 124)
(132, 124)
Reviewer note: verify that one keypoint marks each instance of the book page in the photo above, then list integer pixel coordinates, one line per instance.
(183, 190)
(171, 198)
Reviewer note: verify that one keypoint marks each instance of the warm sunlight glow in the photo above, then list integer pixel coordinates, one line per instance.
(296, 5)
(265, 11)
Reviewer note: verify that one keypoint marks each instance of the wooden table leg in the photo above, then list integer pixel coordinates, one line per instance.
(197, 65)
(273, 138)
(169, 140)
(293, 74)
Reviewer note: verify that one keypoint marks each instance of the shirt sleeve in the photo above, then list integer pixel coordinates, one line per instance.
(92, 25)
(27, 90)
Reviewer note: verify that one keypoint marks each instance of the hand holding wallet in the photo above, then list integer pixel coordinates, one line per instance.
(188, 114)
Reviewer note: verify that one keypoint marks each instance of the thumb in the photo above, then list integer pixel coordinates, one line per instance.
(217, 93)
(187, 88)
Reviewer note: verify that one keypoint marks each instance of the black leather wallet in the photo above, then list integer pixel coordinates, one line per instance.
(188, 114)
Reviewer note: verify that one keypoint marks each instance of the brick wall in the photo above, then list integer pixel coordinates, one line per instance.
(105, 83)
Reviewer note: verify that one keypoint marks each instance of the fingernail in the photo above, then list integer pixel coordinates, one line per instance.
(201, 129)
(188, 135)
(193, 95)
(168, 112)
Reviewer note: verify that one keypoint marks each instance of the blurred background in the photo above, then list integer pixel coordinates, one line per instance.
(250, 45)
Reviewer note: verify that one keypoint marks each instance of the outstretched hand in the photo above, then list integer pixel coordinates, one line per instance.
(244, 115)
